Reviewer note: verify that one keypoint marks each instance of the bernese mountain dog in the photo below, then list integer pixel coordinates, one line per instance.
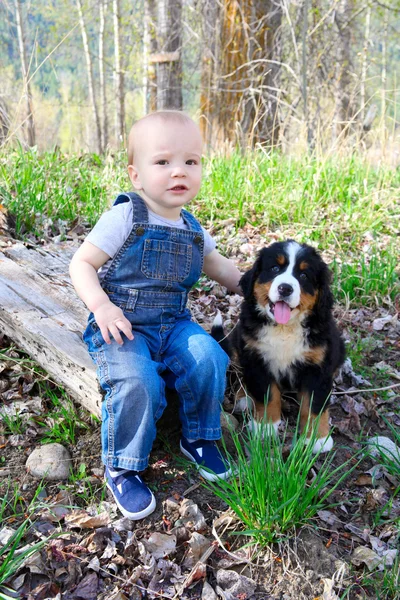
(286, 338)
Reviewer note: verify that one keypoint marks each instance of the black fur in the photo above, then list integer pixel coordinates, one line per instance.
(315, 326)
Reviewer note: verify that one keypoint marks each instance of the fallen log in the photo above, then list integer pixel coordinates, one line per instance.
(41, 313)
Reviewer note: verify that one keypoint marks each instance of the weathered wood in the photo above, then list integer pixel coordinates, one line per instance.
(41, 312)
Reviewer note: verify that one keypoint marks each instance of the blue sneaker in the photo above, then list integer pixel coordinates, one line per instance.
(206, 454)
(133, 497)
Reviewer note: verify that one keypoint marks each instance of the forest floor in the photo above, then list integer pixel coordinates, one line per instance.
(192, 546)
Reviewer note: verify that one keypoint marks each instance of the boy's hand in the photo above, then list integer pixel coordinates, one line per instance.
(111, 319)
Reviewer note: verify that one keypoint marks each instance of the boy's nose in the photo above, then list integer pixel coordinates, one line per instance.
(178, 172)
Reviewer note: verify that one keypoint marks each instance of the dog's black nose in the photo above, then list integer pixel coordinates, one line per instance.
(285, 290)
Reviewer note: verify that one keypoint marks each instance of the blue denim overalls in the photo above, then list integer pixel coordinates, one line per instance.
(150, 278)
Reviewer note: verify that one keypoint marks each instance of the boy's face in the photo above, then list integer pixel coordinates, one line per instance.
(167, 165)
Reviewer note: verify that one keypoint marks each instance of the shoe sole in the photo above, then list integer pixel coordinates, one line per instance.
(206, 474)
(134, 516)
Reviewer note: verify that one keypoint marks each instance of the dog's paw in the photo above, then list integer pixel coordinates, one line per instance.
(323, 444)
(242, 404)
(265, 429)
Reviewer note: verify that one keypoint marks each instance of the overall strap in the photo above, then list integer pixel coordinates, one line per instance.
(139, 208)
(190, 221)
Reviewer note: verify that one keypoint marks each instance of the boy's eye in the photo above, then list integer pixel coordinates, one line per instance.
(161, 162)
(191, 162)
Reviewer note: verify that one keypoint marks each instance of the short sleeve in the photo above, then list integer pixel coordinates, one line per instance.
(112, 229)
(209, 242)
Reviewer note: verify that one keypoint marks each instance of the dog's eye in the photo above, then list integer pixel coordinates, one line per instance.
(275, 269)
(303, 276)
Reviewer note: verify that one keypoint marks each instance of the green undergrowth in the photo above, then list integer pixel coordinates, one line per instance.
(340, 204)
(14, 552)
(273, 495)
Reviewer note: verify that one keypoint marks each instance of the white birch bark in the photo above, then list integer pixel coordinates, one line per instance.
(118, 76)
(29, 120)
(103, 89)
(89, 67)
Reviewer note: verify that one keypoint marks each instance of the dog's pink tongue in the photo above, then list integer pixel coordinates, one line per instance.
(281, 313)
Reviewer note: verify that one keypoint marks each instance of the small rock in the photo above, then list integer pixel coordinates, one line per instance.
(51, 462)
(229, 422)
(383, 445)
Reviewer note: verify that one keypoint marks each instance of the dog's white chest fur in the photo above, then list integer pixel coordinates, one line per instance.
(281, 346)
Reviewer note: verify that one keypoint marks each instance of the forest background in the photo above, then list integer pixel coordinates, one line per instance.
(290, 73)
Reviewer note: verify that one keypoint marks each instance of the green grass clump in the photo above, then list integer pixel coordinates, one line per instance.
(62, 423)
(368, 278)
(273, 496)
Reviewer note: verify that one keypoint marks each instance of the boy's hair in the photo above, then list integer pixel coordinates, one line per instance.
(176, 116)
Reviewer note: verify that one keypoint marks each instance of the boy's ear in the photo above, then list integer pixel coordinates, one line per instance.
(134, 177)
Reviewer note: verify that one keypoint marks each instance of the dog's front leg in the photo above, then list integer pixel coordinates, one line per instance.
(314, 412)
(264, 393)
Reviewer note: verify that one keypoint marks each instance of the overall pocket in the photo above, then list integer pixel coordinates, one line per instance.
(166, 261)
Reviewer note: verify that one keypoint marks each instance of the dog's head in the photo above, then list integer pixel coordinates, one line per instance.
(288, 281)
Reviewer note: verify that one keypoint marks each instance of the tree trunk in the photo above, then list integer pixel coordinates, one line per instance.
(103, 90)
(4, 122)
(364, 65)
(90, 76)
(119, 76)
(243, 103)
(343, 104)
(211, 17)
(169, 61)
(149, 50)
(30, 124)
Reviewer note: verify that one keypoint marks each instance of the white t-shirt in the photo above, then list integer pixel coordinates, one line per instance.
(114, 226)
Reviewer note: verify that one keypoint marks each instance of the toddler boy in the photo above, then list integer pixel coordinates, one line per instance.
(134, 272)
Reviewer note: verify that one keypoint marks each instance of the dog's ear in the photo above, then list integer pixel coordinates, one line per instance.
(325, 296)
(248, 280)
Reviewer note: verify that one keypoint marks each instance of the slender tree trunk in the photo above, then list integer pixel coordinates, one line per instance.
(211, 17)
(149, 51)
(383, 82)
(364, 65)
(343, 104)
(30, 124)
(383, 70)
(103, 90)
(119, 76)
(304, 34)
(169, 64)
(4, 122)
(90, 76)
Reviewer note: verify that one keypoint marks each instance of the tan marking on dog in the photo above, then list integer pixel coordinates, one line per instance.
(307, 301)
(316, 355)
(261, 292)
(308, 418)
(280, 259)
(270, 413)
(303, 265)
